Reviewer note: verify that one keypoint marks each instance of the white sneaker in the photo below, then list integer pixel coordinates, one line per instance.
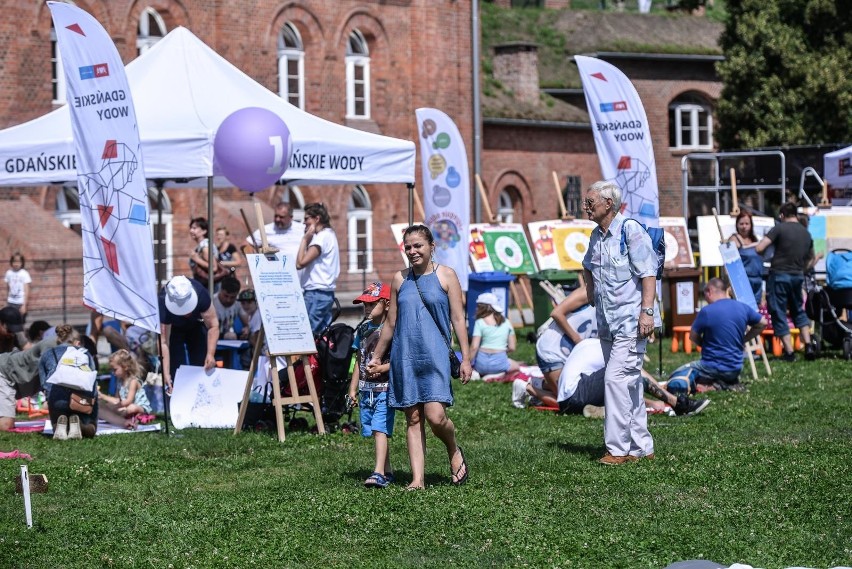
(60, 429)
(594, 412)
(519, 393)
(74, 428)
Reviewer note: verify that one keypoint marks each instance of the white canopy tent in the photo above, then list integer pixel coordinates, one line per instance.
(182, 91)
(837, 167)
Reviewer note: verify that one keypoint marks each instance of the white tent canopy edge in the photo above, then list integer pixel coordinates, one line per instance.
(182, 91)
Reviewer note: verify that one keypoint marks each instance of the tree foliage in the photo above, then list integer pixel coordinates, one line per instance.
(786, 73)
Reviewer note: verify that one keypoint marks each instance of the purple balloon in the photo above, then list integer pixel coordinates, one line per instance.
(252, 148)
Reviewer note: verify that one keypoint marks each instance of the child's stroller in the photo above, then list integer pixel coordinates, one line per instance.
(823, 303)
(334, 353)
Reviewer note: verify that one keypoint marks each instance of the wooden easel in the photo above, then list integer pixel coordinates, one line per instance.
(735, 206)
(560, 199)
(754, 345)
(278, 401)
(513, 288)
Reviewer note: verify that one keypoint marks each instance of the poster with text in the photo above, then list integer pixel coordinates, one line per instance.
(500, 247)
(678, 247)
(559, 243)
(281, 304)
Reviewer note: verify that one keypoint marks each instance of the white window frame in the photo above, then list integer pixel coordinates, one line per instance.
(355, 214)
(695, 112)
(358, 58)
(291, 49)
(144, 39)
(57, 81)
(505, 207)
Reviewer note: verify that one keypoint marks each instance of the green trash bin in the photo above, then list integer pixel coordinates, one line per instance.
(542, 303)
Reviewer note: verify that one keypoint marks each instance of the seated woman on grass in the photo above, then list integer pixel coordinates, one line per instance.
(493, 338)
(131, 401)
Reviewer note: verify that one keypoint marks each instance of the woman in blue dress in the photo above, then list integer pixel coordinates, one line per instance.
(745, 239)
(426, 301)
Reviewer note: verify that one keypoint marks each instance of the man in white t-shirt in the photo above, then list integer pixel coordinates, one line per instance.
(283, 233)
(319, 263)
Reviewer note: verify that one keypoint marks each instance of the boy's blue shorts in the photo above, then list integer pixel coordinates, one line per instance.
(375, 414)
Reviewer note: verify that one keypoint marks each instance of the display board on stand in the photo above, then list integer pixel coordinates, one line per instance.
(561, 244)
(710, 234)
(830, 229)
(500, 247)
(285, 328)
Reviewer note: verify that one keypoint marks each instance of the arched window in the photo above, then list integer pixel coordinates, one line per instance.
(505, 205)
(690, 123)
(57, 72)
(357, 76)
(360, 231)
(68, 213)
(151, 29)
(291, 66)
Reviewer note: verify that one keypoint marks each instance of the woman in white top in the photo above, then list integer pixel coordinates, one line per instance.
(493, 338)
(319, 262)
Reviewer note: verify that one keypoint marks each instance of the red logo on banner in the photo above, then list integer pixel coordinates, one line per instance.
(104, 211)
(76, 29)
(624, 163)
(111, 254)
(599, 75)
(110, 150)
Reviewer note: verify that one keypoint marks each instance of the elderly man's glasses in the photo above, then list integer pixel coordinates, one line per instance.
(591, 203)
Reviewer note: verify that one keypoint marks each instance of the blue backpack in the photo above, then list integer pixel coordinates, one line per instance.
(658, 242)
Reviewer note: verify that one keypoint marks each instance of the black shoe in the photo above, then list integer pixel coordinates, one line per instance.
(810, 351)
(686, 406)
(789, 356)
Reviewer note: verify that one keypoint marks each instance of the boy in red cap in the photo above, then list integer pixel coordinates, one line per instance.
(370, 391)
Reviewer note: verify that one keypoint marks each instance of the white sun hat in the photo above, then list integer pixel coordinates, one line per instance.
(490, 299)
(181, 298)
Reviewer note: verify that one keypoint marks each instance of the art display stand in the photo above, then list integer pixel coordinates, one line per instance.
(285, 329)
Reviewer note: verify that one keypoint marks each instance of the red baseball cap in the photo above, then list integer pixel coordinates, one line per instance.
(373, 293)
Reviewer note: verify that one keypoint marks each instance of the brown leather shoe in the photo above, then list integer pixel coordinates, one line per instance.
(611, 460)
(649, 456)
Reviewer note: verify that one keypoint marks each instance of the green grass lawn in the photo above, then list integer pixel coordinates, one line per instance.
(761, 477)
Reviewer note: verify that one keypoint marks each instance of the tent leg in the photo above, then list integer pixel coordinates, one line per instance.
(211, 234)
(411, 205)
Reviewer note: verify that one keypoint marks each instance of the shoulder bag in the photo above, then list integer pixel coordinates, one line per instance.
(455, 364)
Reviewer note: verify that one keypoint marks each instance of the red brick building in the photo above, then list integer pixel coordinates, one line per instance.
(367, 64)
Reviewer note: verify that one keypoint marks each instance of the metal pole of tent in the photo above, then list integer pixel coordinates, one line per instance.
(210, 235)
(160, 234)
(411, 205)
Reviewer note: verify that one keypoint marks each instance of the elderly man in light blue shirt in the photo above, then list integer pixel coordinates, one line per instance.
(621, 285)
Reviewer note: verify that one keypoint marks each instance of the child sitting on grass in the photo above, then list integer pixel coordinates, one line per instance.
(368, 391)
(493, 337)
(131, 401)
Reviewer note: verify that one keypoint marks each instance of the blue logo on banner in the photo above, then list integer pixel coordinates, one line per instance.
(615, 106)
(94, 71)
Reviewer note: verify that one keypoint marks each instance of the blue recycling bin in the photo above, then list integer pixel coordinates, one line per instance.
(478, 283)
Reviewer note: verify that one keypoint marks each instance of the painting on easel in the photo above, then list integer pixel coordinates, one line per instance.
(500, 247)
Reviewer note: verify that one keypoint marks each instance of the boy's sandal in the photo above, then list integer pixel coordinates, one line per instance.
(376, 480)
(459, 479)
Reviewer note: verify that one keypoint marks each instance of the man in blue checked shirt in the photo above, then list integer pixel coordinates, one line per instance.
(621, 286)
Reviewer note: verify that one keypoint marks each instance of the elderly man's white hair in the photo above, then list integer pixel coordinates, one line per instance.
(608, 190)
